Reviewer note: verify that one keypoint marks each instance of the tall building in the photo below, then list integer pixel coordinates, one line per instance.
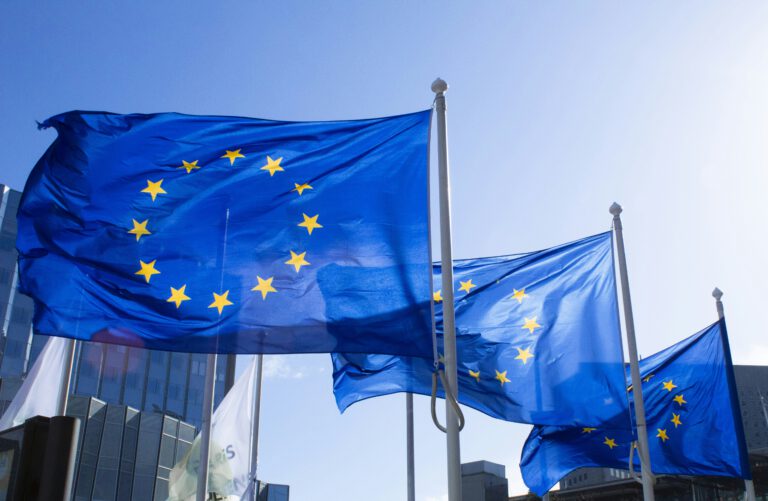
(147, 380)
(483, 481)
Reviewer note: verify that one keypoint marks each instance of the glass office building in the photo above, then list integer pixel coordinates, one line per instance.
(146, 380)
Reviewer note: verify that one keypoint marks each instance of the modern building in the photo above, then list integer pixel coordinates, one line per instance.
(483, 481)
(272, 492)
(125, 454)
(142, 379)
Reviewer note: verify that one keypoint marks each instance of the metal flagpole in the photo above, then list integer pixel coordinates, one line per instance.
(409, 452)
(205, 432)
(67, 378)
(446, 263)
(255, 431)
(749, 485)
(634, 366)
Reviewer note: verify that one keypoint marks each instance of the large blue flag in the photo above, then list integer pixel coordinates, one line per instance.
(692, 412)
(538, 339)
(224, 234)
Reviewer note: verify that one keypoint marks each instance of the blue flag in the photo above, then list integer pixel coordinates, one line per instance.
(692, 413)
(231, 235)
(538, 339)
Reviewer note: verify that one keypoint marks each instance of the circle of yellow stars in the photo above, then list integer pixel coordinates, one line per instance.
(264, 286)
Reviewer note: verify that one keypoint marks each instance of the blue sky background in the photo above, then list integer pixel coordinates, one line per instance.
(556, 109)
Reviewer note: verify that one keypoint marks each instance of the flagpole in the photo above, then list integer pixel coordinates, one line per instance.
(255, 430)
(409, 449)
(634, 365)
(439, 87)
(749, 485)
(66, 378)
(205, 431)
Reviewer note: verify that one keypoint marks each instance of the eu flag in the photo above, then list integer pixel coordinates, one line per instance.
(692, 413)
(231, 235)
(538, 339)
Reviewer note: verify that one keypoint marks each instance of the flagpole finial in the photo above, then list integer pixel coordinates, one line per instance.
(439, 86)
(615, 209)
(717, 294)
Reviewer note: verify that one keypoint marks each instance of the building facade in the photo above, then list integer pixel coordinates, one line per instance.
(142, 379)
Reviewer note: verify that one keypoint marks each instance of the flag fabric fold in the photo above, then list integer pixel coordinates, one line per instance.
(692, 413)
(538, 339)
(39, 393)
(231, 235)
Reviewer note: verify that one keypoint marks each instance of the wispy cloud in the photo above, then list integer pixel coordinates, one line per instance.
(278, 367)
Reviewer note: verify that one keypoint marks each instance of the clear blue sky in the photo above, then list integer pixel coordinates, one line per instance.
(556, 109)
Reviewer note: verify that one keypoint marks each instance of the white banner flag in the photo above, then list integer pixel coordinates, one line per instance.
(39, 393)
(229, 464)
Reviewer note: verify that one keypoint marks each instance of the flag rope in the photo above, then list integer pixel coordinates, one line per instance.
(449, 396)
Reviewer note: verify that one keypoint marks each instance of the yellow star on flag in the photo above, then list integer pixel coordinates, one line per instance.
(611, 443)
(588, 430)
(648, 377)
(273, 165)
(669, 385)
(178, 295)
(524, 355)
(437, 297)
(679, 399)
(502, 377)
(232, 155)
(467, 286)
(139, 229)
(154, 188)
(297, 260)
(220, 301)
(189, 166)
(662, 434)
(301, 187)
(310, 223)
(676, 420)
(265, 286)
(475, 374)
(519, 295)
(530, 324)
(147, 269)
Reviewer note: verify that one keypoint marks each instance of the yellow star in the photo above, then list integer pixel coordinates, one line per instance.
(178, 295)
(147, 270)
(297, 260)
(220, 301)
(629, 388)
(475, 374)
(265, 286)
(530, 324)
(467, 286)
(679, 399)
(668, 385)
(154, 188)
(611, 443)
(519, 295)
(140, 229)
(588, 430)
(662, 434)
(524, 355)
(232, 155)
(437, 297)
(189, 166)
(502, 377)
(676, 419)
(301, 187)
(648, 377)
(440, 358)
(273, 165)
(310, 223)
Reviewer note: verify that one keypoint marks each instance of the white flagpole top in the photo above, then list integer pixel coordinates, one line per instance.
(717, 294)
(615, 209)
(439, 86)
